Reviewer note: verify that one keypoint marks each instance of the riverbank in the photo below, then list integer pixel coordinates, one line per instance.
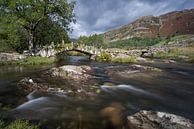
(29, 61)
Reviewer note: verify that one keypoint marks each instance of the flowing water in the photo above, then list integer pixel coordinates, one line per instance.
(171, 91)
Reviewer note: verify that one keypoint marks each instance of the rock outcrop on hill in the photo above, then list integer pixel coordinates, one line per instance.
(174, 23)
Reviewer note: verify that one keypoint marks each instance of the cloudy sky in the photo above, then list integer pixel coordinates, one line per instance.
(98, 16)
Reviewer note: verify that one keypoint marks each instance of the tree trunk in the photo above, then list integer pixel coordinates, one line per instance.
(31, 40)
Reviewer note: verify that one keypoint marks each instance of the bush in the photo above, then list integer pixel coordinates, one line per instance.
(104, 57)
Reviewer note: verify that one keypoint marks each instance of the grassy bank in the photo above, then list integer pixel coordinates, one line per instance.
(180, 54)
(36, 60)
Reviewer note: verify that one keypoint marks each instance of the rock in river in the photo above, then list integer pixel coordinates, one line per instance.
(74, 81)
(27, 85)
(125, 71)
(73, 74)
(158, 120)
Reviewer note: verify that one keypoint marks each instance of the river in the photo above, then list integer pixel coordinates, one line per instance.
(172, 92)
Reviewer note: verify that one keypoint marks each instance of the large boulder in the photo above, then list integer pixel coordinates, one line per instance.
(11, 56)
(72, 73)
(134, 73)
(158, 120)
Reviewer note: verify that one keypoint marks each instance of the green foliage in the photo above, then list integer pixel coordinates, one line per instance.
(93, 40)
(133, 42)
(20, 124)
(104, 57)
(28, 14)
(30, 61)
(130, 59)
(48, 32)
(11, 37)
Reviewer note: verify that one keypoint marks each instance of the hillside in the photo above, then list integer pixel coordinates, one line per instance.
(174, 23)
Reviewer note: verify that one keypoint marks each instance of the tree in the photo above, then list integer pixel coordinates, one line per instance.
(93, 40)
(48, 31)
(30, 13)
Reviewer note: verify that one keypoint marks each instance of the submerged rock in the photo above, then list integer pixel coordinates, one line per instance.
(141, 59)
(158, 120)
(27, 85)
(128, 70)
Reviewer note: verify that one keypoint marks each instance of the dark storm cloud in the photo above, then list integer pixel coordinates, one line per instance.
(97, 16)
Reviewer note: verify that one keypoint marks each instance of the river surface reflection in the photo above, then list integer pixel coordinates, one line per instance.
(171, 90)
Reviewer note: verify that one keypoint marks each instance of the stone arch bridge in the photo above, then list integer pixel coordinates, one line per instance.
(48, 51)
(52, 50)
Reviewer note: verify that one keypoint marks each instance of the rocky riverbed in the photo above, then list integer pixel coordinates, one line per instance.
(102, 95)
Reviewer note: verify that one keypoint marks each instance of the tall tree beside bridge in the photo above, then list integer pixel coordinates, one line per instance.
(29, 13)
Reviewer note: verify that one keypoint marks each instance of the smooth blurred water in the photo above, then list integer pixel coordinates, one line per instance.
(171, 90)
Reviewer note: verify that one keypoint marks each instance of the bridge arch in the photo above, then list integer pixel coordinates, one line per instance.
(59, 50)
(76, 50)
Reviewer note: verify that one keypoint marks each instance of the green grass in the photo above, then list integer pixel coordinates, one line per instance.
(177, 54)
(36, 60)
(18, 124)
(133, 42)
(175, 39)
(180, 37)
(144, 42)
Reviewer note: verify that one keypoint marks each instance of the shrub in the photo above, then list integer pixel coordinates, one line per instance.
(104, 57)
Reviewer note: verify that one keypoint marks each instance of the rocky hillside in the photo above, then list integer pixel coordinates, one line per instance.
(174, 23)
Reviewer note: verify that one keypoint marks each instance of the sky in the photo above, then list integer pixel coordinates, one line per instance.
(99, 16)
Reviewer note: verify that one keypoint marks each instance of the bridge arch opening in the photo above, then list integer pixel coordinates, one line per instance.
(74, 56)
(75, 52)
